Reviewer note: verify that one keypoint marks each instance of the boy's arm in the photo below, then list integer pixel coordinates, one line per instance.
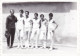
(40, 24)
(16, 19)
(7, 22)
(31, 22)
(56, 25)
(23, 22)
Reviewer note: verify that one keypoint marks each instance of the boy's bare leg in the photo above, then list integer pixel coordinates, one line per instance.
(26, 39)
(44, 41)
(37, 36)
(52, 41)
(32, 36)
(18, 34)
(29, 37)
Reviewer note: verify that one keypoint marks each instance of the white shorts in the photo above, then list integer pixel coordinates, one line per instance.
(20, 32)
(42, 35)
(34, 31)
(27, 28)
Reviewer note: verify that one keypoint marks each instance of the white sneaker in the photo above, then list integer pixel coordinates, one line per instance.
(51, 48)
(18, 46)
(32, 46)
(22, 46)
(8, 47)
(36, 46)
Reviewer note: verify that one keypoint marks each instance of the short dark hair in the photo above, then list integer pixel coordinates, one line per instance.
(41, 15)
(36, 14)
(12, 10)
(27, 12)
(51, 14)
(21, 11)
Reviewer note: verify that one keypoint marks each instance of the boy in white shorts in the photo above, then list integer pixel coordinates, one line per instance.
(52, 25)
(28, 26)
(20, 25)
(35, 30)
(43, 30)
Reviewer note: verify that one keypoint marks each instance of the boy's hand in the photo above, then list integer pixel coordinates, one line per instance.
(6, 29)
(53, 31)
(39, 27)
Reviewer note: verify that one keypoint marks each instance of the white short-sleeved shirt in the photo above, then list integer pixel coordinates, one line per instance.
(36, 23)
(20, 23)
(51, 25)
(43, 25)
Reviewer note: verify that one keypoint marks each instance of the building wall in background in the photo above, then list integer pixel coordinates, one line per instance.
(64, 14)
(60, 7)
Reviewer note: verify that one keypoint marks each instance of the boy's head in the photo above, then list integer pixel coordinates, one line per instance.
(21, 11)
(11, 11)
(36, 14)
(50, 16)
(26, 12)
(42, 16)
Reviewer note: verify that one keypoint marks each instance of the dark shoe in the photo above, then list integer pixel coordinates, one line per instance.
(10, 47)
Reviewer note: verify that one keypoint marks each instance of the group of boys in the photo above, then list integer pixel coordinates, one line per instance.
(29, 29)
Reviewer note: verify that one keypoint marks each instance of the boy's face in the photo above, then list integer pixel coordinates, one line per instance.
(12, 12)
(42, 17)
(26, 13)
(50, 16)
(21, 12)
(35, 15)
